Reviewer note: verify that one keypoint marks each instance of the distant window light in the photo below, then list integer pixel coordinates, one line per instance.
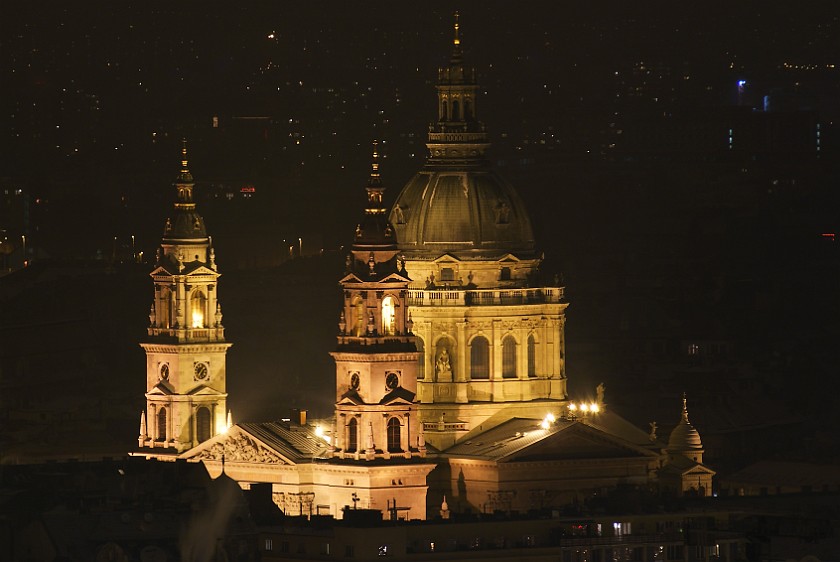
(269, 544)
(383, 550)
(693, 349)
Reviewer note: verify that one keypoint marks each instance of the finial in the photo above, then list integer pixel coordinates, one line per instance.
(457, 40)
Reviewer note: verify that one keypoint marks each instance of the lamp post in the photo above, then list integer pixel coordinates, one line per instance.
(133, 252)
(23, 239)
(300, 246)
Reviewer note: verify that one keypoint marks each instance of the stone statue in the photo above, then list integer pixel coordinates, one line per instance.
(599, 392)
(653, 427)
(442, 366)
(398, 214)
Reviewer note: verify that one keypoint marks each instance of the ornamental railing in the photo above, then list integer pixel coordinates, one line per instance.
(483, 297)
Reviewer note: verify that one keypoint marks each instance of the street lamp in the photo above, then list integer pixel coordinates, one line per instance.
(300, 251)
(23, 239)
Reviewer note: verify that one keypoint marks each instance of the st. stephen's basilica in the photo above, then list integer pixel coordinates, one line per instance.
(450, 373)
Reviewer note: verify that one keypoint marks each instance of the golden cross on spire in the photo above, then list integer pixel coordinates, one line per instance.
(457, 40)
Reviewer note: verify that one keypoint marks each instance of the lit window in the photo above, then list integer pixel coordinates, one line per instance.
(388, 312)
(269, 544)
(198, 303)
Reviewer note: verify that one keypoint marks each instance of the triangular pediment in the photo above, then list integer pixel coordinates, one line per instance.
(204, 390)
(198, 268)
(446, 258)
(399, 395)
(160, 271)
(351, 398)
(508, 258)
(236, 445)
(578, 441)
(162, 388)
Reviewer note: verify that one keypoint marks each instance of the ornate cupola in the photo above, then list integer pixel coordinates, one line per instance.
(376, 355)
(457, 138)
(456, 204)
(685, 439)
(186, 348)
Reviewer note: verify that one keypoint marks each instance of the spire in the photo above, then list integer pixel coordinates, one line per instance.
(456, 41)
(374, 228)
(186, 223)
(184, 177)
(684, 409)
(457, 137)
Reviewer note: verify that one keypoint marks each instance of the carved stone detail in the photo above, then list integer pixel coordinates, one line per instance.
(240, 448)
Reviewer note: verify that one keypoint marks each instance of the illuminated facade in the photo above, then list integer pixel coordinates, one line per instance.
(490, 334)
(186, 348)
(450, 384)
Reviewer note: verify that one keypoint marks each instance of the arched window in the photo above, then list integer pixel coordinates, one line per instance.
(359, 317)
(394, 445)
(352, 436)
(532, 356)
(443, 116)
(468, 110)
(388, 315)
(202, 424)
(161, 424)
(198, 306)
(456, 111)
(509, 358)
(480, 358)
(421, 360)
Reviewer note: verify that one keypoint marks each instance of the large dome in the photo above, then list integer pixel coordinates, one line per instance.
(684, 437)
(471, 213)
(456, 204)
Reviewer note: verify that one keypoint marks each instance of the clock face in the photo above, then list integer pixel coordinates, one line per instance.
(164, 371)
(354, 381)
(392, 381)
(201, 371)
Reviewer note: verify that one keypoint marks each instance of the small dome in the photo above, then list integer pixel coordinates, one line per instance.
(684, 437)
(469, 213)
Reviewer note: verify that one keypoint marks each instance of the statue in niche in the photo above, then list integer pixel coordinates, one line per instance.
(399, 215)
(443, 369)
(502, 213)
(168, 226)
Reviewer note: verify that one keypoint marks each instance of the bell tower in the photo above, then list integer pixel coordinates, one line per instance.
(376, 356)
(185, 349)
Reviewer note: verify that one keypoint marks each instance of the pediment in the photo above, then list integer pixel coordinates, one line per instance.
(446, 258)
(351, 397)
(399, 395)
(508, 258)
(198, 269)
(203, 390)
(578, 442)
(160, 271)
(236, 445)
(162, 388)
